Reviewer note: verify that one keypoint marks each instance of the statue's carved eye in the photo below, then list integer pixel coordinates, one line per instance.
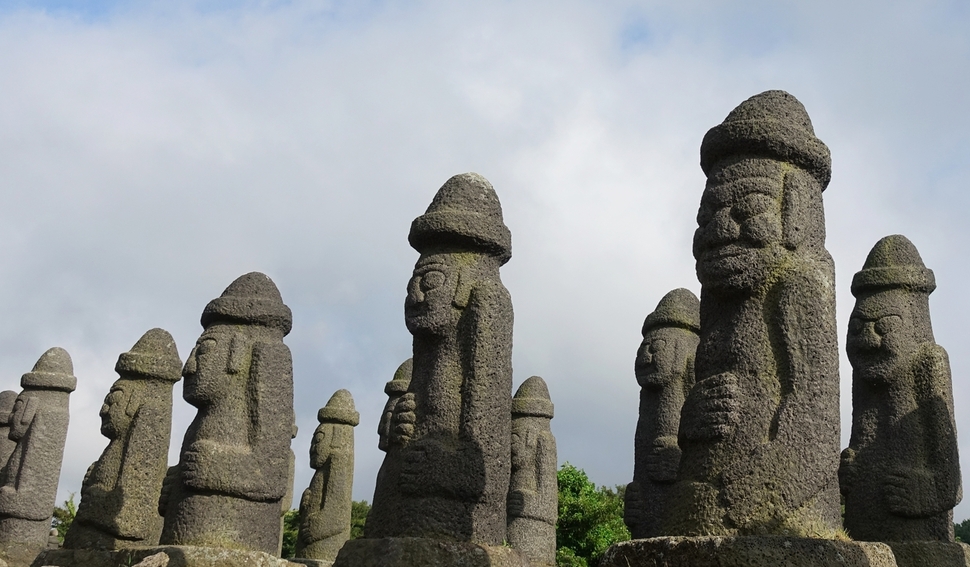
(752, 204)
(657, 345)
(855, 326)
(431, 280)
(888, 324)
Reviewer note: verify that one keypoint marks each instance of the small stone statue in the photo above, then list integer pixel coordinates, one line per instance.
(665, 371)
(120, 492)
(759, 431)
(900, 474)
(394, 389)
(326, 504)
(533, 504)
(446, 472)
(7, 445)
(28, 487)
(234, 467)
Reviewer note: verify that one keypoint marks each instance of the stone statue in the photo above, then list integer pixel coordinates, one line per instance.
(28, 487)
(394, 389)
(234, 466)
(446, 472)
(533, 503)
(7, 445)
(759, 431)
(326, 504)
(665, 371)
(900, 474)
(120, 492)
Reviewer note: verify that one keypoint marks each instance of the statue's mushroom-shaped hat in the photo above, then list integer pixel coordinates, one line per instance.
(679, 308)
(340, 409)
(252, 299)
(54, 370)
(532, 399)
(894, 263)
(153, 357)
(402, 379)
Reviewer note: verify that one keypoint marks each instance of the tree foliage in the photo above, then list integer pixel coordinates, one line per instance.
(962, 531)
(291, 526)
(358, 515)
(590, 519)
(63, 517)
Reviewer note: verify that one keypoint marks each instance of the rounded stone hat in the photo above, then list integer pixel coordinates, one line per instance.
(402, 379)
(679, 308)
(773, 124)
(253, 299)
(465, 212)
(340, 409)
(54, 370)
(532, 399)
(154, 356)
(894, 262)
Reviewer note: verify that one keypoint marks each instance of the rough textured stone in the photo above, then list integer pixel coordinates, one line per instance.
(749, 551)
(930, 553)
(446, 471)
(759, 431)
(119, 496)
(533, 503)
(7, 445)
(394, 389)
(900, 474)
(326, 504)
(176, 556)
(665, 371)
(28, 487)
(235, 463)
(424, 552)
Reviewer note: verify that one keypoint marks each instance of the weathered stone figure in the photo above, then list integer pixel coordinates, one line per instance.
(28, 487)
(119, 497)
(233, 470)
(533, 503)
(7, 445)
(326, 504)
(901, 473)
(394, 389)
(665, 371)
(759, 431)
(446, 472)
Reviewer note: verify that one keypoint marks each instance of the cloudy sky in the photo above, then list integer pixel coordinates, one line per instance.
(151, 152)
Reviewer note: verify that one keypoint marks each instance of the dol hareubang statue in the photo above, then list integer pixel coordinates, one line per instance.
(119, 497)
(900, 474)
(235, 462)
(767, 387)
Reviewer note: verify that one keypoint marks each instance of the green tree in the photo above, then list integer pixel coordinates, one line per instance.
(63, 517)
(590, 519)
(358, 515)
(962, 531)
(291, 527)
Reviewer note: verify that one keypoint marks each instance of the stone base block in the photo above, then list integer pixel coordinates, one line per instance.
(311, 562)
(935, 553)
(422, 552)
(177, 556)
(749, 551)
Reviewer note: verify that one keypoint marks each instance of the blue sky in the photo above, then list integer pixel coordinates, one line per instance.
(153, 154)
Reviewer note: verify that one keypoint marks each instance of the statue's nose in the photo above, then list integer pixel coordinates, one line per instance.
(868, 338)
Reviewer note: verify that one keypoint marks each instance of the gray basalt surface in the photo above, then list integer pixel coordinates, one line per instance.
(759, 431)
(665, 371)
(900, 474)
(533, 503)
(930, 553)
(446, 471)
(167, 556)
(28, 487)
(119, 496)
(7, 445)
(395, 388)
(235, 464)
(424, 552)
(325, 506)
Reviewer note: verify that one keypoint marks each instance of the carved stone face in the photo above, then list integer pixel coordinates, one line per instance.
(19, 418)
(520, 449)
(738, 241)
(880, 333)
(662, 356)
(114, 416)
(428, 308)
(321, 445)
(206, 370)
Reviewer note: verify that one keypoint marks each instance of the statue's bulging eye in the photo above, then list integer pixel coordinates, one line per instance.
(888, 324)
(432, 280)
(657, 345)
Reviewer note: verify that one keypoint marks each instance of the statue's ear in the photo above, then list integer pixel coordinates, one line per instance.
(800, 209)
(30, 408)
(463, 291)
(134, 402)
(239, 351)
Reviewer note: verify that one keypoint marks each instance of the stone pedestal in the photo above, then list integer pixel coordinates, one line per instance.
(935, 553)
(311, 562)
(749, 551)
(425, 552)
(178, 556)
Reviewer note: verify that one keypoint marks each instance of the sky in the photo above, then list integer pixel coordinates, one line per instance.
(151, 152)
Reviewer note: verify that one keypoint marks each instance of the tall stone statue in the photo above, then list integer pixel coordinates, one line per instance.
(759, 432)
(446, 472)
(119, 496)
(234, 466)
(533, 503)
(394, 389)
(901, 473)
(28, 486)
(326, 504)
(7, 445)
(665, 371)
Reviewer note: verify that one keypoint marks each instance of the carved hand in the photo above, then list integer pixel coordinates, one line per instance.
(910, 492)
(519, 501)
(632, 505)
(713, 408)
(402, 422)
(413, 477)
(848, 469)
(662, 462)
